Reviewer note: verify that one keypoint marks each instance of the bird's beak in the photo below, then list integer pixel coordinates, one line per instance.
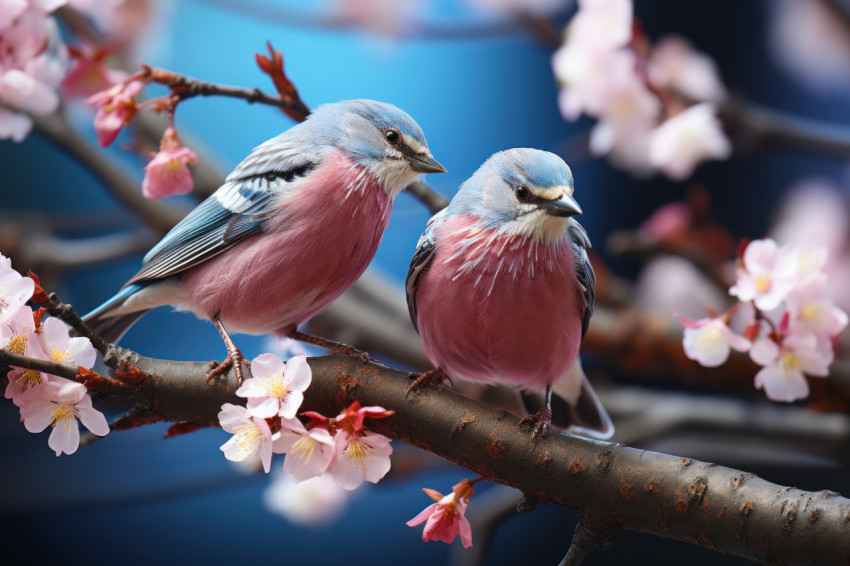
(566, 206)
(424, 163)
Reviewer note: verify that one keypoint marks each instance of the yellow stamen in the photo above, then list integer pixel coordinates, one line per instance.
(277, 386)
(358, 451)
(788, 366)
(64, 415)
(811, 312)
(28, 379)
(709, 338)
(762, 283)
(18, 344)
(57, 354)
(247, 436)
(304, 449)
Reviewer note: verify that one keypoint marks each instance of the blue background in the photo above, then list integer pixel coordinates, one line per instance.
(137, 499)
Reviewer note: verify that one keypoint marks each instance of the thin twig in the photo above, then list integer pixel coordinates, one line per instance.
(67, 313)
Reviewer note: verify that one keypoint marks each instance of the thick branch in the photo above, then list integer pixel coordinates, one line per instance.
(611, 487)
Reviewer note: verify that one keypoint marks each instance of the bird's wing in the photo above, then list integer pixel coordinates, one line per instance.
(584, 272)
(422, 258)
(236, 210)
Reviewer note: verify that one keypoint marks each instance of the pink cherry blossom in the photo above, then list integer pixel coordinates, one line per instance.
(252, 436)
(56, 344)
(314, 502)
(15, 291)
(783, 377)
(10, 10)
(675, 64)
(812, 310)
(708, 341)
(168, 173)
(518, 7)
(14, 126)
(808, 41)
(59, 404)
(360, 457)
(89, 73)
(686, 140)
(22, 381)
(116, 107)
(765, 277)
(15, 332)
(805, 261)
(309, 453)
(602, 24)
(276, 388)
(384, 18)
(446, 519)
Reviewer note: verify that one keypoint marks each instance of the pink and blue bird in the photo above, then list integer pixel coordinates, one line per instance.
(501, 289)
(292, 227)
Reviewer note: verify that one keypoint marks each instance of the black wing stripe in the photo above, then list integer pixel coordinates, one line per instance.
(418, 265)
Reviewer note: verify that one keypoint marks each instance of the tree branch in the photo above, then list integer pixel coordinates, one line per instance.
(611, 487)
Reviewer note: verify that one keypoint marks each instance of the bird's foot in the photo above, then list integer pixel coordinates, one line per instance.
(234, 358)
(539, 422)
(334, 346)
(435, 376)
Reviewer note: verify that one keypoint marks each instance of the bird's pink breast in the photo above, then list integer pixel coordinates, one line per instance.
(319, 242)
(497, 307)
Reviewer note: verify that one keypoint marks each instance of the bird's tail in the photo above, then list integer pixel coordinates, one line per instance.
(575, 406)
(107, 320)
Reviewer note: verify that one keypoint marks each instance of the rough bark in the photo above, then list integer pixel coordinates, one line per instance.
(611, 487)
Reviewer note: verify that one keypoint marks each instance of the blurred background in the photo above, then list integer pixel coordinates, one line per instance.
(478, 77)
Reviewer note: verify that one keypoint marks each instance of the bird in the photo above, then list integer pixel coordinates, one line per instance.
(501, 290)
(292, 227)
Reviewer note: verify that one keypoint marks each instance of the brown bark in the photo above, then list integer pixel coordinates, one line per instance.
(611, 487)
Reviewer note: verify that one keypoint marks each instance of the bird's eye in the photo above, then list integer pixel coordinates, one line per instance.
(522, 193)
(392, 136)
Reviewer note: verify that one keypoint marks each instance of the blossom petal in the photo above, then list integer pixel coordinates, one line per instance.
(298, 373)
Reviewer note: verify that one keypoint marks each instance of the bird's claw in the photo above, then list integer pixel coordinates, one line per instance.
(234, 359)
(432, 377)
(539, 422)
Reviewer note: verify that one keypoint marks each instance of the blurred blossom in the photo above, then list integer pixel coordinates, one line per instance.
(89, 73)
(116, 107)
(676, 65)
(315, 502)
(816, 211)
(783, 377)
(686, 140)
(602, 24)
(32, 65)
(669, 223)
(518, 7)
(604, 76)
(765, 276)
(384, 18)
(708, 341)
(811, 310)
(811, 43)
(672, 284)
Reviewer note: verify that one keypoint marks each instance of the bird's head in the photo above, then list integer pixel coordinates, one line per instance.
(385, 140)
(526, 191)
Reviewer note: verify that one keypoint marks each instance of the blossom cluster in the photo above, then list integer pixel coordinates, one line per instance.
(794, 321)
(32, 64)
(45, 400)
(655, 105)
(341, 447)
